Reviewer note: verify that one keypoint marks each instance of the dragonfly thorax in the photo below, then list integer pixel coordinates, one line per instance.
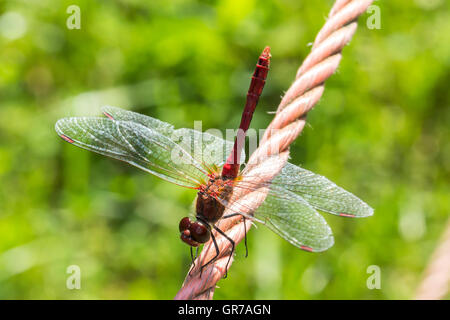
(210, 197)
(208, 210)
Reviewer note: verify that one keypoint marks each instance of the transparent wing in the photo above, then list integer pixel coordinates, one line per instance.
(321, 193)
(149, 122)
(288, 215)
(206, 148)
(293, 219)
(135, 144)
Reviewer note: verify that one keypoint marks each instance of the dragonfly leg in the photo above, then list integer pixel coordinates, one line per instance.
(245, 229)
(213, 258)
(193, 260)
(232, 248)
(245, 237)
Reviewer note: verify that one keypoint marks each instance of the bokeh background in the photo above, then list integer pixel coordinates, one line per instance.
(381, 131)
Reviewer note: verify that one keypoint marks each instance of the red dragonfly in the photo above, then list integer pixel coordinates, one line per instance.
(193, 159)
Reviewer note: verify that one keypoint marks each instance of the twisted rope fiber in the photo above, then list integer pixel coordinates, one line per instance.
(272, 154)
(436, 282)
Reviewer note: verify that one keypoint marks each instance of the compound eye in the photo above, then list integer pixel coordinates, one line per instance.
(199, 232)
(186, 238)
(185, 224)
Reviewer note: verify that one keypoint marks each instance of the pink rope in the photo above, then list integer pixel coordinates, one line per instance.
(436, 282)
(272, 154)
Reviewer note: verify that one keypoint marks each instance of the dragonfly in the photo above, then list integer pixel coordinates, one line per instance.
(212, 166)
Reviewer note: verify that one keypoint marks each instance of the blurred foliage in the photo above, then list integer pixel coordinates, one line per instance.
(381, 131)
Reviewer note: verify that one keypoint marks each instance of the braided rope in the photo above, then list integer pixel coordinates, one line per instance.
(273, 152)
(436, 282)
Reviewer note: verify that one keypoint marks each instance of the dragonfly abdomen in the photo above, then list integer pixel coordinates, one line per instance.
(231, 167)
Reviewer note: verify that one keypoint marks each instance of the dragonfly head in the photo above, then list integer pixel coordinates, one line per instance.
(194, 233)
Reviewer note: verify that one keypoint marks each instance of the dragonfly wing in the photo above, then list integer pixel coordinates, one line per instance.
(321, 193)
(204, 147)
(287, 214)
(135, 144)
(149, 122)
(296, 221)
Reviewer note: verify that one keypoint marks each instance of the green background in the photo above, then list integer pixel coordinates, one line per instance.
(381, 131)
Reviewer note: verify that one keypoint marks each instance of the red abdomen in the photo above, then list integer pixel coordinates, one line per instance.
(231, 167)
